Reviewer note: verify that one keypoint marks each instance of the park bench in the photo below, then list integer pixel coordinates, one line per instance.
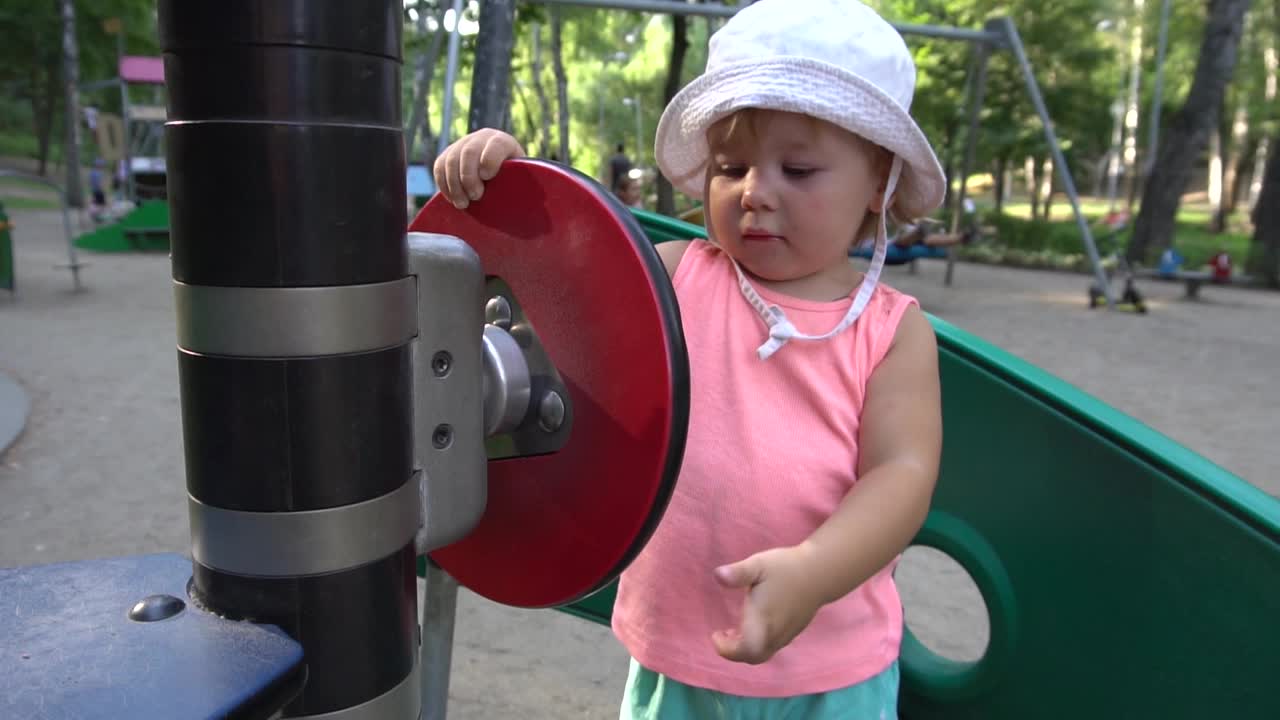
(1193, 279)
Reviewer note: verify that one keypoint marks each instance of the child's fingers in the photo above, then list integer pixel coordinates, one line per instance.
(452, 187)
(498, 148)
(741, 574)
(438, 171)
(469, 168)
(748, 643)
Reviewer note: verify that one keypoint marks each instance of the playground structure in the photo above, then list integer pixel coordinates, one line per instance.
(133, 142)
(336, 426)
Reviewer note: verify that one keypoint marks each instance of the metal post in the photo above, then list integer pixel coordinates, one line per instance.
(450, 77)
(296, 317)
(439, 607)
(1157, 91)
(639, 133)
(977, 92)
(1005, 25)
(130, 192)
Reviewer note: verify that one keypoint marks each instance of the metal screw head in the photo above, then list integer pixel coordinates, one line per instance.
(442, 437)
(156, 607)
(441, 363)
(498, 312)
(551, 411)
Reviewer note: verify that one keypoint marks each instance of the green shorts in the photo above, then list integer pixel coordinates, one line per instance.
(651, 696)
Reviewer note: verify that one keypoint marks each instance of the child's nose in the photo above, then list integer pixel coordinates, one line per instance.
(757, 193)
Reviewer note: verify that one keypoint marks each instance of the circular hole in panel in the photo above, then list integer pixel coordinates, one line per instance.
(943, 606)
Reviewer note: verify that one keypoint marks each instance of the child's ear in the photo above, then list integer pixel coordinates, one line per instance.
(883, 164)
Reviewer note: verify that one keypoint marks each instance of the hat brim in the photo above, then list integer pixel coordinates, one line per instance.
(805, 86)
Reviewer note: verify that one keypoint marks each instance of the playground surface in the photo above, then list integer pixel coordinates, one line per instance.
(98, 470)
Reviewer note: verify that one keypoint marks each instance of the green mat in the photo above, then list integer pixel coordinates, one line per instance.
(144, 228)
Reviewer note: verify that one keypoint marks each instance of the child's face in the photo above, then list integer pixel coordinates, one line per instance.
(786, 200)
(630, 192)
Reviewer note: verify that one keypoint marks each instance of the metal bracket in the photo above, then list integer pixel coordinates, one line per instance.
(448, 396)
(548, 422)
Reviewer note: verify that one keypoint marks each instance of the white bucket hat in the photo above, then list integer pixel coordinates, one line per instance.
(836, 60)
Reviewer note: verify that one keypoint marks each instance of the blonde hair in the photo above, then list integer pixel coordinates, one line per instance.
(742, 126)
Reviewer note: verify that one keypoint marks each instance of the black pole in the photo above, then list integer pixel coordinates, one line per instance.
(286, 181)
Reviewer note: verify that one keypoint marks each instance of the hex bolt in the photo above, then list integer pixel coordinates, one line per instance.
(551, 411)
(498, 312)
(441, 363)
(442, 437)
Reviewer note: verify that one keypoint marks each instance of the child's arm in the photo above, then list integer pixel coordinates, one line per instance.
(899, 447)
(898, 454)
(465, 166)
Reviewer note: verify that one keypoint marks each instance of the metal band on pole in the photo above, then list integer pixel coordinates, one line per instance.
(401, 701)
(310, 542)
(293, 322)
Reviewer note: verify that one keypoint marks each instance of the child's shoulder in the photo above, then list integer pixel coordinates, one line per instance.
(684, 256)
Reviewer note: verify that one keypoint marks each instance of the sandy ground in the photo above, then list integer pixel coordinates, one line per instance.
(98, 470)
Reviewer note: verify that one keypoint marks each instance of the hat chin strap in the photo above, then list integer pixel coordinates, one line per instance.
(781, 330)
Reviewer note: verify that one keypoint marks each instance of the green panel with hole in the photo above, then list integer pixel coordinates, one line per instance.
(1125, 576)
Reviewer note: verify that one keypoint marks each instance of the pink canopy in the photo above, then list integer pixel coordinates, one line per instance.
(139, 69)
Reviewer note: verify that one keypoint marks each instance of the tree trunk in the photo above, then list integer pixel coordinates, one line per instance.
(529, 119)
(1131, 107)
(424, 71)
(1238, 155)
(1033, 197)
(1182, 144)
(1215, 177)
(71, 109)
(949, 162)
(1239, 169)
(1002, 167)
(675, 66)
(562, 84)
(1264, 250)
(1046, 187)
(544, 107)
(491, 79)
(42, 100)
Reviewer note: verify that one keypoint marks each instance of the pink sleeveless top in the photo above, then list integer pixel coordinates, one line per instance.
(772, 450)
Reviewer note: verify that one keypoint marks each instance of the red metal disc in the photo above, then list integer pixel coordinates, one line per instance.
(559, 526)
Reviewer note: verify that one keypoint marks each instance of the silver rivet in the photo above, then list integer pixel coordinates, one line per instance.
(156, 607)
(498, 312)
(551, 411)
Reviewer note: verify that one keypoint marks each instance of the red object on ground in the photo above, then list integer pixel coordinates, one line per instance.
(1221, 266)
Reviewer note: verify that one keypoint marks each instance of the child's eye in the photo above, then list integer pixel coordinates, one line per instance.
(734, 171)
(796, 171)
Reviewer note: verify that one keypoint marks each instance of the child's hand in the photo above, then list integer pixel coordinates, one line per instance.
(781, 601)
(463, 168)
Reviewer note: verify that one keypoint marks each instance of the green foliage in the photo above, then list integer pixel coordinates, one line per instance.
(31, 63)
(1057, 244)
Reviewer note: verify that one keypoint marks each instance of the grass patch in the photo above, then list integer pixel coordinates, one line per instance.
(22, 183)
(1057, 243)
(19, 145)
(29, 203)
